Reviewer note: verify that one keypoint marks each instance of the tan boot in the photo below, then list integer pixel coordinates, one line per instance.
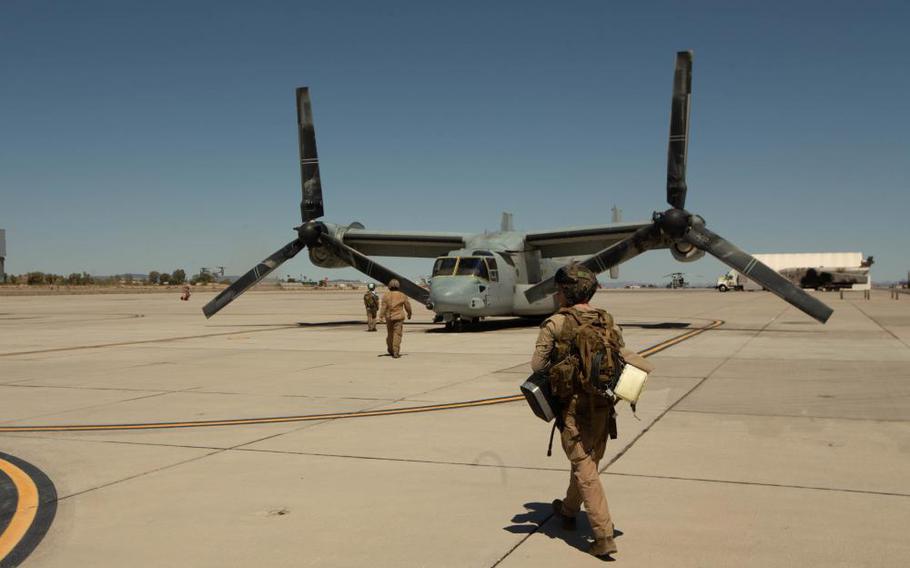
(603, 548)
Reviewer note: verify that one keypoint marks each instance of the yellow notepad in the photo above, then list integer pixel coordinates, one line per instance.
(631, 383)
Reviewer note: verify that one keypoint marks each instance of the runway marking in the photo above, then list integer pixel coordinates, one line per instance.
(142, 341)
(331, 416)
(35, 504)
(26, 507)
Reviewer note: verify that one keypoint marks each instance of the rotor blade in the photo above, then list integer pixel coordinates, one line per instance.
(616, 218)
(311, 205)
(749, 266)
(375, 270)
(246, 281)
(630, 247)
(679, 131)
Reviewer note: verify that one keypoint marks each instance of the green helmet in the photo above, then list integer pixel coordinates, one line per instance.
(576, 282)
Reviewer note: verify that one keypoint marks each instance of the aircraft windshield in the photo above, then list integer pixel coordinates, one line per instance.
(494, 271)
(444, 266)
(472, 266)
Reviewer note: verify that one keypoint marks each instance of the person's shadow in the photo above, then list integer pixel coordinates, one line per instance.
(539, 518)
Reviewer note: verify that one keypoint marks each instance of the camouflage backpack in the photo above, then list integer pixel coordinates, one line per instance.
(371, 301)
(587, 356)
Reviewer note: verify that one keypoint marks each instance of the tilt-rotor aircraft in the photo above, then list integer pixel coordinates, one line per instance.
(510, 273)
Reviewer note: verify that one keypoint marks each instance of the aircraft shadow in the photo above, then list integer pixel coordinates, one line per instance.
(518, 323)
(490, 325)
(379, 326)
(229, 325)
(662, 325)
(330, 323)
(298, 324)
(479, 327)
(537, 518)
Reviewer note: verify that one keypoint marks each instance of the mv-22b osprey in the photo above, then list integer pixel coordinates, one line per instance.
(511, 273)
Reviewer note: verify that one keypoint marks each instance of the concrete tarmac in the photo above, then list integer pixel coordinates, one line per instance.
(771, 440)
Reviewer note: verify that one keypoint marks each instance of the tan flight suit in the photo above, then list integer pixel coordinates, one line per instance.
(584, 438)
(371, 303)
(394, 307)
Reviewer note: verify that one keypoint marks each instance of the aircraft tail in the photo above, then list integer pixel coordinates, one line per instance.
(506, 224)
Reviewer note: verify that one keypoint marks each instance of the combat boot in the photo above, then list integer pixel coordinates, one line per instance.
(602, 548)
(568, 522)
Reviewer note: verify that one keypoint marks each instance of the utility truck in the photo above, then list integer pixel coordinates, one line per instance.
(733, 280)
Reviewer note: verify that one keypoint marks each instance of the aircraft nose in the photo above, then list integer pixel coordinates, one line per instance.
(452, 294)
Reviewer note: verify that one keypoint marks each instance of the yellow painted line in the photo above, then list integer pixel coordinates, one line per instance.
(679, 339)
(26, 508)
(333, 416)
(271, 420)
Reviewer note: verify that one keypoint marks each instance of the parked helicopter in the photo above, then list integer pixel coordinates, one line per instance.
(510, 273)
(677, 280)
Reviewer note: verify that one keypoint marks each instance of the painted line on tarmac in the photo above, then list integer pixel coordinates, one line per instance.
(28, 504)
(143, 341)
(331, 416)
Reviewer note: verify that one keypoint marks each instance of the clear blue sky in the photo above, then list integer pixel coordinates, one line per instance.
(139, 136)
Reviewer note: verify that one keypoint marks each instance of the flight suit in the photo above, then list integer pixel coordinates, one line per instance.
(371, 303)
(586, 425)
(395, 306)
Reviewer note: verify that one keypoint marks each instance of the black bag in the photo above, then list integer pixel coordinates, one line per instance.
(605, 382)
(540, 397)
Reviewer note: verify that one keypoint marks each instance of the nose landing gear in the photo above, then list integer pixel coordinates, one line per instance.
(455, 322)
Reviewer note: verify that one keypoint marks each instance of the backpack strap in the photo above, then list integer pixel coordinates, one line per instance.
(572, 311)
(567, 333)
(550, 446)
(572, 321)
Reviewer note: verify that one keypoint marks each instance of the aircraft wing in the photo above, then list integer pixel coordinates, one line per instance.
(403, 243)
(578, 241)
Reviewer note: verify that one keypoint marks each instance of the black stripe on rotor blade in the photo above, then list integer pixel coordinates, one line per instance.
(677, 150)
(375, 270)
(311, 206)
(638, 242)
(256, 274)
(755, 270)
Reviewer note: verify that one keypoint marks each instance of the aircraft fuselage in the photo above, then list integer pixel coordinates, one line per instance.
(489, 278)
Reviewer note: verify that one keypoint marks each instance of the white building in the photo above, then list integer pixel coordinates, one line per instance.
(852, 261)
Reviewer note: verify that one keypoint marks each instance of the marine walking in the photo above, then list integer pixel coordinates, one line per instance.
(371, 303)
(585, 417)
(395, 308)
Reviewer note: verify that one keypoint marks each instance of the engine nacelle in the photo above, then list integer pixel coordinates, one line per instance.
(685, 252)
(325, 258)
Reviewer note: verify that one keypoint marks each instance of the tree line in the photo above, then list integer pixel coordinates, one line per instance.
(176, 277)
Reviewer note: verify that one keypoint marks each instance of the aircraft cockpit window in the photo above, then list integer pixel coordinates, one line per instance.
(444, 266)
(494, 271)
(472, 266)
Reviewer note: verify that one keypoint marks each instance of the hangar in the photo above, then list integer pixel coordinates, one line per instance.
(822, 270)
